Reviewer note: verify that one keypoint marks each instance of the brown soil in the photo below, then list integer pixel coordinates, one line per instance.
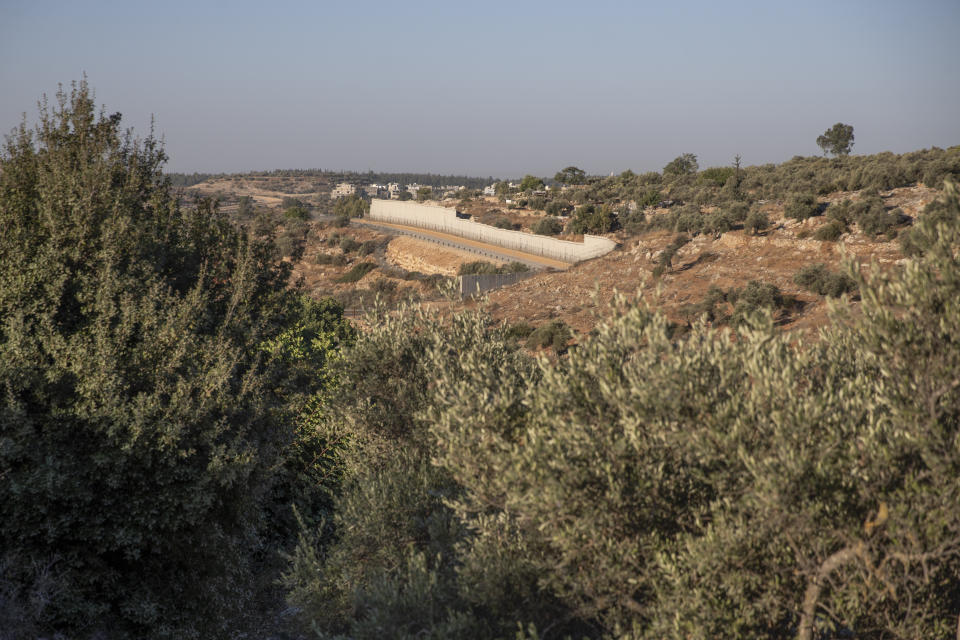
(426, 257)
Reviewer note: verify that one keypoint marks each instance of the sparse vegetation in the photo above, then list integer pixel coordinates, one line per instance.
(357, 272)
(481, 267)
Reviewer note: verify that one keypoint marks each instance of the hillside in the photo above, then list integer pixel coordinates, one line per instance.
(725, 258)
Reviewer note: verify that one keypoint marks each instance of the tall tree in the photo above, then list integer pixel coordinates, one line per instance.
(837, 140)
(571, 175)
(141, 414)
(531, 183)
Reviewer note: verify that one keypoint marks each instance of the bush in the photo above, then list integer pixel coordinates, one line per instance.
(518, 331)
(358, 271)
(338, 260)
(547, 227)
(352, 206)
(482, 267)
(633, 221)
(830, 232)
(537, 203)
(296, 213)
(737, 212)
(556, 334)
(820, 280)
(591, 219)
(717, 176)
(368, 247)
(689, 219)
(802, 206)
(752, 298)
(556, 208)
(503, 222)
(348, 244)
(944, 211)
(147, 402)
(756, 221)
(872, 217)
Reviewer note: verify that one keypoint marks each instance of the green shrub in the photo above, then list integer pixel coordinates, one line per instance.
(328, 258)
(737, 211)
(518, 331)
(148, 395)
(296, 213)
(482, 267)
(555, 334)
(557, 208)
(537, 203)
(872, 217)
(689, 219)
(756, 221)
(372, 246)
(478, 267)
(802, 206)
(633, 221)
(503, 222)
(547, 227)
(752, 298)
(357, 272)
(830, 232)
(348, 244)
(942, 211)
(820, 280)
(591, 219)
(716, 176)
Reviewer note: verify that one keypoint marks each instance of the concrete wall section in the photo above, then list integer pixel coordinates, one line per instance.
(479, 283)
(446, 221)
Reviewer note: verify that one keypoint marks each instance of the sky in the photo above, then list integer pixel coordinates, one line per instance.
(494, 88)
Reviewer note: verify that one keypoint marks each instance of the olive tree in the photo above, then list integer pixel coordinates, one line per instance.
(144, 398)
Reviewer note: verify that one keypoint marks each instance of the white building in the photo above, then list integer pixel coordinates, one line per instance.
(343, 190)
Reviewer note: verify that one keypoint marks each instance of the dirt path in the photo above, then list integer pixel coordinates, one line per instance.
(466, 244)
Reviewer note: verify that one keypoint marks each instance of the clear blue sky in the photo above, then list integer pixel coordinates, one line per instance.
(495, 88)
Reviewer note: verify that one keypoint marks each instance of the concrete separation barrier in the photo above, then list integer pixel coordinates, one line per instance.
(446, 221)
(425, 235)
(475, 284)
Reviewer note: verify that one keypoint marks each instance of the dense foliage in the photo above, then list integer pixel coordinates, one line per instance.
(153, 361)
(650, 485)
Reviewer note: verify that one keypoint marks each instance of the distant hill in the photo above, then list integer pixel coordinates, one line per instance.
(334, 177)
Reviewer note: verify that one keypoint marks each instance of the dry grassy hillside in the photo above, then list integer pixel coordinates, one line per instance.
(401, 268)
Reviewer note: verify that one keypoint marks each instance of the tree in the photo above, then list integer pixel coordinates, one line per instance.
(571, 175)
(685, 164)
(352, 206)
(142, 414)
(531, 183)
(424, 193)
(837, 140)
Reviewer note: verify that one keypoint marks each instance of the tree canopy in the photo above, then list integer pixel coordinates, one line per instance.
(531, 183)
(146, 401)
(571, 175)
(837, 140)
(684, 164)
